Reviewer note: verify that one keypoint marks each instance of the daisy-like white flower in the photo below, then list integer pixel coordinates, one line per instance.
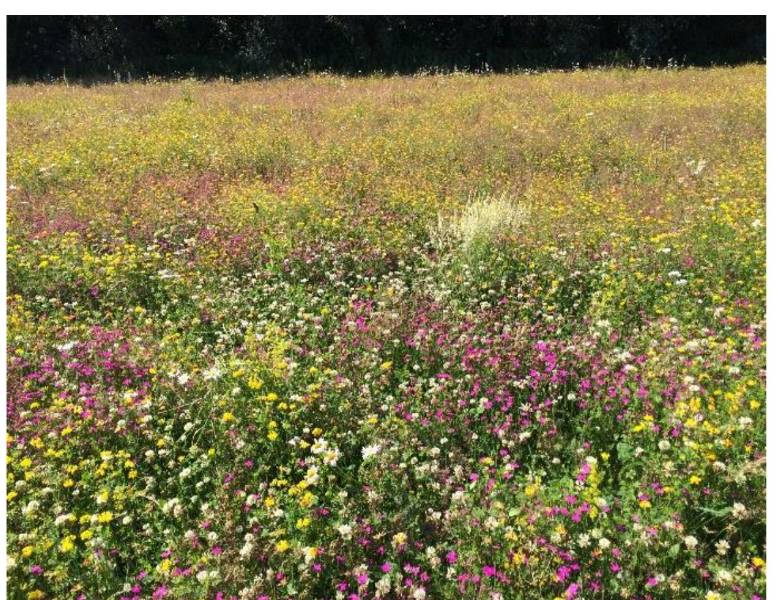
(368, 452)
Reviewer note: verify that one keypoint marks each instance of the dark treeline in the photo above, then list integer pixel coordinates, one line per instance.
(122, 47)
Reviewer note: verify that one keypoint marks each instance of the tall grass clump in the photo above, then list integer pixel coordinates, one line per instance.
(485, 219)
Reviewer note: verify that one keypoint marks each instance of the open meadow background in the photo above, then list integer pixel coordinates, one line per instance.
(480, 336)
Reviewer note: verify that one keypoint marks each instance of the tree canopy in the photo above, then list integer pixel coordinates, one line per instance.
(121, 47)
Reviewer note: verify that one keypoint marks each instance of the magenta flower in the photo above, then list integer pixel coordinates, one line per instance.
(386, 567)
(160, 593)
(572, 591)
(489, 571)
(451, 557)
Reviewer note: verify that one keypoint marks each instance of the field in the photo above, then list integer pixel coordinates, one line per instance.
(409, 337)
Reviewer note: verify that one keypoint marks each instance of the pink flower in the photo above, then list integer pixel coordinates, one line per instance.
(385, 567)
(451, 557)
(160, 593)
(489, 571)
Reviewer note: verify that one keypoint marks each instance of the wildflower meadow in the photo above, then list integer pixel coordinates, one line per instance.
(438, 336)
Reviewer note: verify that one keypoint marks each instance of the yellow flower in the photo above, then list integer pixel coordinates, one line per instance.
(66, 545)
(695, 480)
(86, 535)
(228, 417)
(272, 435)
(303, 523)
(105, 517)
(27, 551)
(386, 366)
(758, 562)
(282, 546)
(35, 595)
(307, 499)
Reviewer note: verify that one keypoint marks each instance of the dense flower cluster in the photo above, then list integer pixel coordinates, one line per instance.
(428, 337)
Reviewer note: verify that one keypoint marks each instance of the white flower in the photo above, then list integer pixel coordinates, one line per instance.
(370, 451)
(246, 551)
(739, 510)
(583, 540)
(745, 422)
(419, 594)
(212, 374)
(604, 544)
(31, 507)
(664, 445)
(345, 530)
(319, 446)
(383, 587)
(330, 457)
(690, 541)
(722, 547)
(724, 576)
(62, 519)
(183, 379)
